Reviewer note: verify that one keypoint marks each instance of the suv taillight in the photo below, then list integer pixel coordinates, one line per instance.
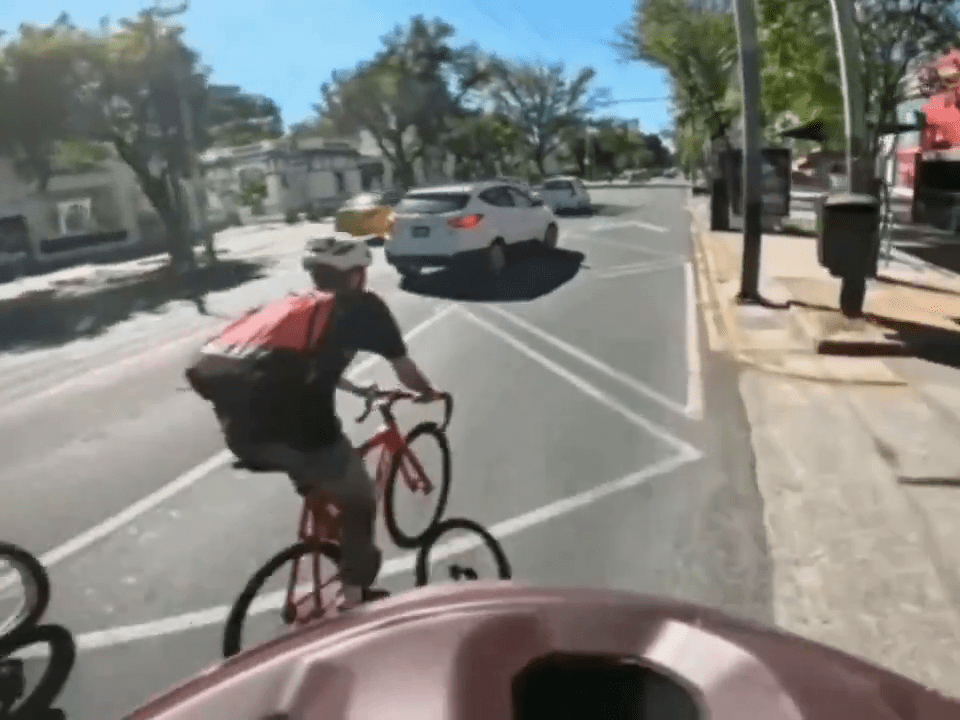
(466, 222)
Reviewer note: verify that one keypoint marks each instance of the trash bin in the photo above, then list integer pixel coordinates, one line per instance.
(848, 244)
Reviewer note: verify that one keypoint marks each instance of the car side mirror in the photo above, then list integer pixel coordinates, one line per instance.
(537, 202)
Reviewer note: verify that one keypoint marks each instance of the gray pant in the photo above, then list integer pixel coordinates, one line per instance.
(337, 472)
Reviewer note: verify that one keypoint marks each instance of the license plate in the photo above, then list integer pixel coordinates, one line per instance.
(421, 232)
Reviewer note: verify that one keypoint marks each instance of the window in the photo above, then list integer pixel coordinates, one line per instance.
(520, 198)
(341, 182)
(432, 203)
(557, 185)
(498, 197)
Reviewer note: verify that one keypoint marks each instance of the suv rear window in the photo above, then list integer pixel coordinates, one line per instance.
(557, 185)
(433, 203)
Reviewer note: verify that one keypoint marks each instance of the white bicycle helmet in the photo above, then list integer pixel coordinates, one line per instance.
(340, 251)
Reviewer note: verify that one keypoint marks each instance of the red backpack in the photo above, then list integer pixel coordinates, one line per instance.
(269, 346)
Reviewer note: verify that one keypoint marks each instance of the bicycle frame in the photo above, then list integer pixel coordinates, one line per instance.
(320, 516)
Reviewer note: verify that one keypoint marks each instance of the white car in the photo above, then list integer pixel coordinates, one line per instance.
(565, 193)
(439, 226)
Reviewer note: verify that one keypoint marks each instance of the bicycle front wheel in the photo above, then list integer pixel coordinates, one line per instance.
(63, 654)
(461, 538)
(429, 483)
(306, 592)
(24, 589)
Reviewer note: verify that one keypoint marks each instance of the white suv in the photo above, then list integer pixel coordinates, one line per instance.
(435, 227)
(565, 193)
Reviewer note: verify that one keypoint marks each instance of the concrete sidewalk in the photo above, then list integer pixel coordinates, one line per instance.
(910, 308)
(859, 473)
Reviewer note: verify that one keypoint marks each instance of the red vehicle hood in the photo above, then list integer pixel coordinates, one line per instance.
(450, 652)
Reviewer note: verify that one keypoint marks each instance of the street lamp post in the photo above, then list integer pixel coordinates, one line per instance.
(859, 173)
(751, 196)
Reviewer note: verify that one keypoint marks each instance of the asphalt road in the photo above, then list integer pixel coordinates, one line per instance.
(592, 432)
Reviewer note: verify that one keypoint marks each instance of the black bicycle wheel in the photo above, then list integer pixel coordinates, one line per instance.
(63, 653)
(428, 431)
(233, 629)
(458, 572)
(36, 585)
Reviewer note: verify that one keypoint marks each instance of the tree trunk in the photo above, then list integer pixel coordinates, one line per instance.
(164, 201)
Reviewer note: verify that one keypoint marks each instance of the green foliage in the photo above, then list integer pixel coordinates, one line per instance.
(407, 95)
(41, 67)
(543, 103)
(695, 43)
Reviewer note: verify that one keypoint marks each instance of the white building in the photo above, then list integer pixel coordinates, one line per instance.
(296, 174)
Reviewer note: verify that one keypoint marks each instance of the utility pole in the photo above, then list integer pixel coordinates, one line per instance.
(859, 171)
(752, 192)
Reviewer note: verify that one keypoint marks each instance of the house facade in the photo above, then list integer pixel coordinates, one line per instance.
(77, 216)
(287, 175)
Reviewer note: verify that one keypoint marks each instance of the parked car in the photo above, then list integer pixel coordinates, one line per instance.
(369, 213)
(435, 227)
(565, 193)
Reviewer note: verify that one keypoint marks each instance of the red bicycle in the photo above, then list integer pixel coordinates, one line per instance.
(319, 532)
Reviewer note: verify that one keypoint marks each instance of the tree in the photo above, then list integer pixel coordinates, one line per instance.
(39, 74)
(407, 95)
(894, 35)
(234, 117)
(484, 144)
(130, 98)
(695, 43)
(544, 103)
(614, 146)
(800, 73)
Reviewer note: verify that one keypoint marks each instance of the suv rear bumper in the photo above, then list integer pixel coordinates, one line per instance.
(416, 262)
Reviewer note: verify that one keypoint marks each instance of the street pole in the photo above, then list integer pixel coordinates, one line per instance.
(752, 193)
(859, 173)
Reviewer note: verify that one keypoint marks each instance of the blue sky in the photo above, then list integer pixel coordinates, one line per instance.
(286, 48)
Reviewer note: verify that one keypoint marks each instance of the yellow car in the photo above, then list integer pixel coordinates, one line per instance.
(369, 213)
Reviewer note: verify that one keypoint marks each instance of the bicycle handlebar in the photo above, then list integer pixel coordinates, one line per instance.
(384, 400)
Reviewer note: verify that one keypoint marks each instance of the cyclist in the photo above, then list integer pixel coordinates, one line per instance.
(298, 431)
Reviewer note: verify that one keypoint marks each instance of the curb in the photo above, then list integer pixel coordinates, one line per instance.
(704, 261)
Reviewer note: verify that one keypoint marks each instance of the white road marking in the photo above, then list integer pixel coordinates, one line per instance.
(640, 268)
(694, 407)
(192, 476)
(632, 247)
(587, 359)
(584, 386)
(628, 223)
(176, 624)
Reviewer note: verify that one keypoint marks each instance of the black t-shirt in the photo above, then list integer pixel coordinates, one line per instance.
(306, 417)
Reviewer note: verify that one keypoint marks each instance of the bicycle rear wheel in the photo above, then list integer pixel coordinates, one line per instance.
(406, 468)
(63, 653)
(305, 598)
(22, 603)
(459, 535)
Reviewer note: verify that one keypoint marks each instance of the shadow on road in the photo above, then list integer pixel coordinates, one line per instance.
(610, 210)
(533, 272)
(61, 314)
(946, 255)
